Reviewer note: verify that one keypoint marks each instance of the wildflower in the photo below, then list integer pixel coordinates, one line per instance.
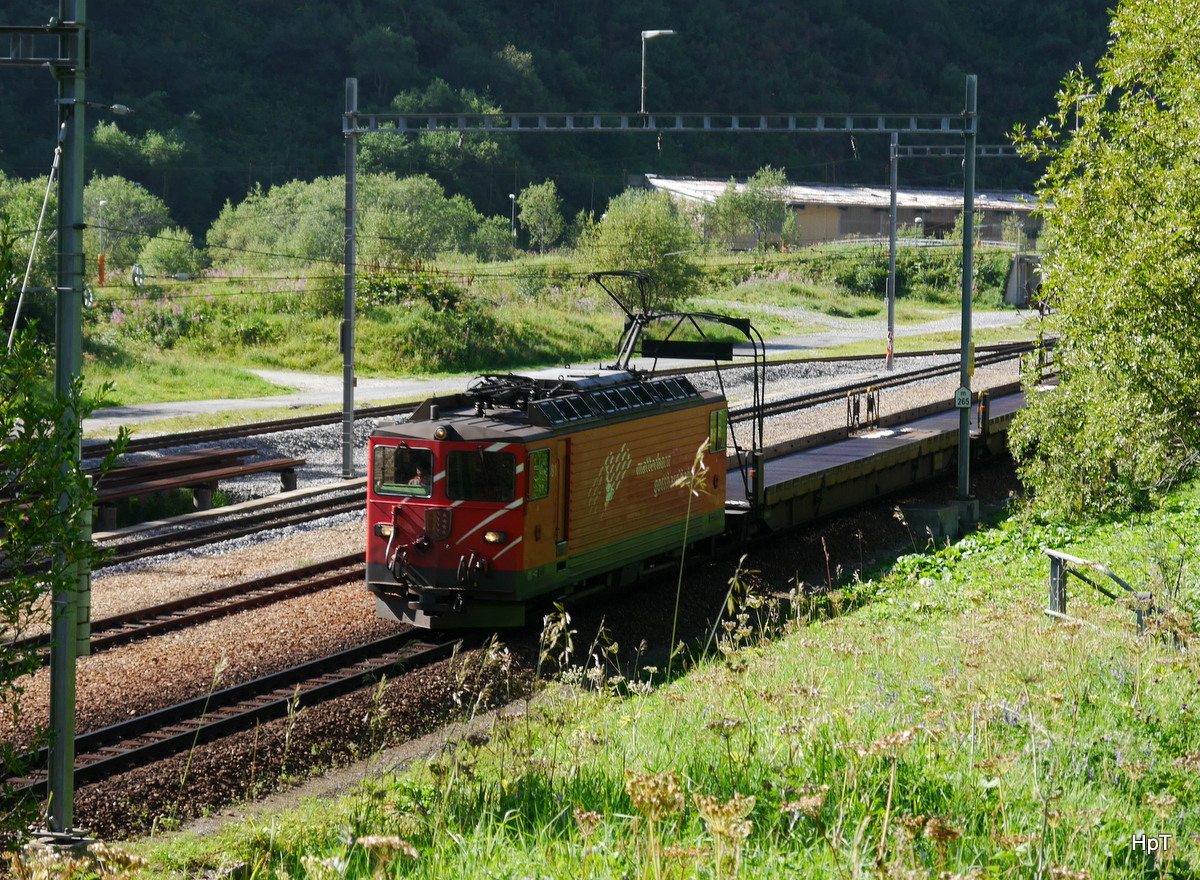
(724, 726)
(997, 765)
(892, 743)
(1134, 769)
(1060, 873)
(940, 831)
(1016, 841)
(694, 479)
(728, 820)
(810, 803)
(114, 861)
(1189, 762)
(388, 847)
(1162, 805)
(329, 867)
(587, 821)
(685, 853)
(654, 795)
(910, 826)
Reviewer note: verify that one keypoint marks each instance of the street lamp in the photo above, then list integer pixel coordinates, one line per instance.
(117, 109)
(100, 255)
(649, 35)
(512, 197)
(920, 221)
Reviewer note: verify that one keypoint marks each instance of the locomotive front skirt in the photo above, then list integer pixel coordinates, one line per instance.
(526, 488)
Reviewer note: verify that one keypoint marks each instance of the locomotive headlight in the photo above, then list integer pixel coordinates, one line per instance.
(494, 537)
(383, 530)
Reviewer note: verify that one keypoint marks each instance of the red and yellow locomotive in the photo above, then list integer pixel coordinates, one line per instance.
(531, 487)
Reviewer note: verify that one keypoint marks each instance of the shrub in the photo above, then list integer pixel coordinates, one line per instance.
(171, 252)
(161, 323)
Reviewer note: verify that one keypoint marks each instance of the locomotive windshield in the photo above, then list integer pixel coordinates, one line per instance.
(481, 476)
(398, 470)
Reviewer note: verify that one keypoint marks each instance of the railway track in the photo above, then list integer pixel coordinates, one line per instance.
(235, 432)
(148, 738)
(792, 403)
(228, 525)
(232, 432)
(121, 629)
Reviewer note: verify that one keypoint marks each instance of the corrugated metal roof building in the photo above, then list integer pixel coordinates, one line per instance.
(828, 213)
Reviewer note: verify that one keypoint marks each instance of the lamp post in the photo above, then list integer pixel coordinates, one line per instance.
(100, 255)
(512, 197)
(649, 35)
(920, 221)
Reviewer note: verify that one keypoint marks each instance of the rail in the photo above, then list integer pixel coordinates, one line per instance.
(111, 750)
(120, 629)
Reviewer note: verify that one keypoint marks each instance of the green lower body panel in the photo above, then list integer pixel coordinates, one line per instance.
(613, 560)
(613, 565)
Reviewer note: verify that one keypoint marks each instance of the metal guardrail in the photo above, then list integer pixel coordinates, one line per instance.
(1063, 564)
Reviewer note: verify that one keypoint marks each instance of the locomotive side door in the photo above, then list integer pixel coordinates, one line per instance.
(546, 504)
(559, 473)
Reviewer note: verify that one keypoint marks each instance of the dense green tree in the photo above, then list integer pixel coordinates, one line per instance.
(724, 219)
(494, 239)
(646, 232)
(384, 62)
(461, 161)
(132, 216)
(300, 223)
(757, 208)
(1122, 270)
(172, 252)
(153, 149)
(292, 225)
(411, 217)
(765, 203)
(540, 212)
(24, 203)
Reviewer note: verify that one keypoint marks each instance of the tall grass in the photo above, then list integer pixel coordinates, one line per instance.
(941, 725)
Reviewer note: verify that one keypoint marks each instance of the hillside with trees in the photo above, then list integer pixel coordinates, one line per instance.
(230, 96)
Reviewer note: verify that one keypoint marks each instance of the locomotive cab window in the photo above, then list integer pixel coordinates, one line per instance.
(481, 476)
(398, 470)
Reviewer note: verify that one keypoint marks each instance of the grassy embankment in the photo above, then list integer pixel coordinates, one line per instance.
(930, 722)
(198, 339)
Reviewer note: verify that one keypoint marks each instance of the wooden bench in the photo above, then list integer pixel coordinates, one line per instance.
(200, 472)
